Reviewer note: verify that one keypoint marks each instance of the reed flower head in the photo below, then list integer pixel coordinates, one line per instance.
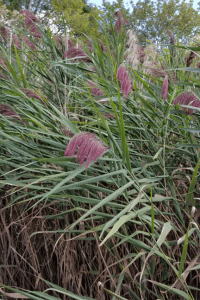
(89, 146)
(190, 58)
(119, 22)
(132, 54)
(29, 22)
(164, 91)
(31, 94)
(16, 41)
(95, 91)
(76, 53)
(124, 79)
(6, 110)
(187, 98)
(5, 33)
(28, 42)
(35, 32)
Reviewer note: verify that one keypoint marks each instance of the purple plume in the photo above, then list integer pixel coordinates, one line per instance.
(89, 146)
(187, 98)
(6, 110)
(31, 94)
(16, 41)
(4, 33)
(35, 32)
(28, 42)
(190, 58)
(30, 17)
(124, 79)
(76, 53)
(164, 91)
(162, 73)
(95, 91)
(29, 22)
(119, 22)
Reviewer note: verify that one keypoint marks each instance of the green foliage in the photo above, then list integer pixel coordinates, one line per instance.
(80, 18)
(152, 20)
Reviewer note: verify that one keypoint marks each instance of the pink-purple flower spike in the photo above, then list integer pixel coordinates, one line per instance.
(95, 91)
(124, 79)
(189, 99)
(31, 94)
(76, 53)
(119, 22)
(6, 110)
(29, 22)
(28, 42)
(164, 91)
(89, 146)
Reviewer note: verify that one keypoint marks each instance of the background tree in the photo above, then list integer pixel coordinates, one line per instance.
(152, 20)
(32, 5)
(81, 18)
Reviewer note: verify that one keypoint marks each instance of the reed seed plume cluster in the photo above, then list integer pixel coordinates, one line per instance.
(164, 91)
(187, 98)
(90, 148)
(77, 54)
(30, 21)
(134, 51)
(95, 91)
(8, 111)
(124, 78)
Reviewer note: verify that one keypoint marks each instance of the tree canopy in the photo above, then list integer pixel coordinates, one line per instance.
(150, 19)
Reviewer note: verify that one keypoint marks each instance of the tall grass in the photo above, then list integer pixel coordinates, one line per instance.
(127, 227)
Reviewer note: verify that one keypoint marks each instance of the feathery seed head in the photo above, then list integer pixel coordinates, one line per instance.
(119, 22)
(124, 79)
(187, 98)
(190, 58)
(31, 94)
(28, 42)
(4, 33)
(164, 91)
(95, 91)
(16, 41)
(133, 53)
(89, 146)
(76, 53)
(6, 110)
(29, 22)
